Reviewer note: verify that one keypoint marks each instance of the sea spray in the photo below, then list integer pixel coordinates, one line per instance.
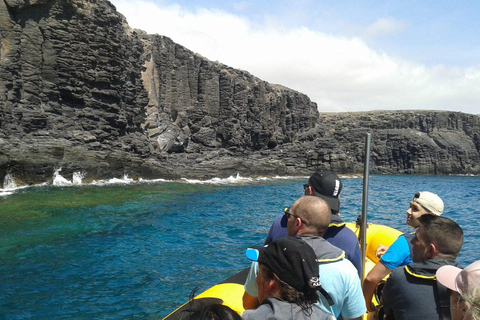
(77, 178)
(60, 181)
(9, 182)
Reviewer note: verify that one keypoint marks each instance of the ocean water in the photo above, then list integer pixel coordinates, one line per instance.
(137, 250)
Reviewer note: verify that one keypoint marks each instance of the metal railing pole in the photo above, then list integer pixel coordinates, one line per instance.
(363, 225)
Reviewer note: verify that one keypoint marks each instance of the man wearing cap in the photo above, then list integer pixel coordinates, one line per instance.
(308, 219)
(398, 254)
(412, 292)
(465, 290)
(287, 281)
(327, 186)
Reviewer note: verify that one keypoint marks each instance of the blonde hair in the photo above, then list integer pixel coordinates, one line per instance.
(472, 301)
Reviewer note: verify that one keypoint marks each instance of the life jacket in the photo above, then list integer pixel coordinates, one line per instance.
(336, 221)
(426, 270)
(324, 251)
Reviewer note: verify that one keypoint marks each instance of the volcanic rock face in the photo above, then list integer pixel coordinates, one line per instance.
(81, 91)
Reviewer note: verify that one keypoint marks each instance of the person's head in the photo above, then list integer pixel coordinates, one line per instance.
(465, 290)
(436, 237)
(326, 185)
(424, 202)
(208, 309)
(288, 269)
(308, 216)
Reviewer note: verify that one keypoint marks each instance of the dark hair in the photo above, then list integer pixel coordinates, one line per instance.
(207, 309)
(287, 293)
(445, 233)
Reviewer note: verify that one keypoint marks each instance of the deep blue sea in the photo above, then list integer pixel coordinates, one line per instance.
(137, 250)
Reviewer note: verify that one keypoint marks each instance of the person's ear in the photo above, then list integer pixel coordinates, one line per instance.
(432, 251)
(298, 222)
(271, 287)
(309, 191)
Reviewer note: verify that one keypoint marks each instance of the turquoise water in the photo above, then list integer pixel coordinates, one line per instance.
(138, 250)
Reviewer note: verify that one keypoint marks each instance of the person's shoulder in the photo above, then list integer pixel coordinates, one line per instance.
(348, 233)
(264, 311)
(398, 273)
(343, 266)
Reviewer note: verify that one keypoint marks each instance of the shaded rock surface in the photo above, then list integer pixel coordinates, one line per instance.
(82, 91)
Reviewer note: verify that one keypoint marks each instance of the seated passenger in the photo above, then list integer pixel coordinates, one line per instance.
(399, 252)
(207, 309)
(327, 186)
(464, 288)
(412, 292)
(287, 281)
(308, 219)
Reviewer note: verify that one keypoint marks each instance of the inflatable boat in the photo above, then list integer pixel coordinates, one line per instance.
(230, 291)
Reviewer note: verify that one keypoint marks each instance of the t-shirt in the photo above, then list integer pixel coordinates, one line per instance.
(398, 254)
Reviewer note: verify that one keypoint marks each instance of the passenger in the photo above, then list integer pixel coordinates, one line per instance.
(412, 292)
(210, 311)
(287, 281)
(207, 309)
(464, 288)
(308, 219)
(399, 253)
(327, 186)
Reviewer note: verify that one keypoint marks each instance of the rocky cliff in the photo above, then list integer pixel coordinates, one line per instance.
(80, 90)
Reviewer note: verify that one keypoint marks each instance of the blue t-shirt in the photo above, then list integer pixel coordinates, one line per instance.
(398, 254)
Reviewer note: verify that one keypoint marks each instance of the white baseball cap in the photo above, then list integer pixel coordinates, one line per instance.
(430, 202)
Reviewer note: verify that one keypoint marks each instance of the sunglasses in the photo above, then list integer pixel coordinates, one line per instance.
(288, 213)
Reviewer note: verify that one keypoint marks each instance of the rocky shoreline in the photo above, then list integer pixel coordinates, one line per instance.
(82, 91)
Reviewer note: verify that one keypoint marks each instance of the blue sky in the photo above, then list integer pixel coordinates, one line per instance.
(345, 55)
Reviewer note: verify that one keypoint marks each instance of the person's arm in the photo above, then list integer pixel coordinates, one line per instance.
(249, 299)
(250, 302)
(371, 281)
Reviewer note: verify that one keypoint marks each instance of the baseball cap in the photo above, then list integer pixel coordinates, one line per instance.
(326, 185)
(430, 201)
(459, 280)
(291, 259)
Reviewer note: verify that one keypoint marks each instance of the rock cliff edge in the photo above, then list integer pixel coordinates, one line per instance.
(82, 91)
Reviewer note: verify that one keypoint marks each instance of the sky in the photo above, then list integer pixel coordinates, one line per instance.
(345, 55)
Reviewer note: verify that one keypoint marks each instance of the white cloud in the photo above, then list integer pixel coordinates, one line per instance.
(340, 74)
(384, 27)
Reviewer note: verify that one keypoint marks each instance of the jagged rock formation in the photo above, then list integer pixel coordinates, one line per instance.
(81, 91)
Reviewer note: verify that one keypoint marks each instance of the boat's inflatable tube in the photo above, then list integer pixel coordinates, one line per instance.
(230, 291)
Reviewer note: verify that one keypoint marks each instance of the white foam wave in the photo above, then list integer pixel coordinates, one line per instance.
(78, 177)
(229, 180)
(124, 180)
(4, 193)
(60, 181)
